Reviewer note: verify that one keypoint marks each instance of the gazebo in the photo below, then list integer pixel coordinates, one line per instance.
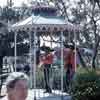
(42, 23)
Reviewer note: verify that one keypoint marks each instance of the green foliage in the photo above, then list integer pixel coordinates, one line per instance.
(86, 86)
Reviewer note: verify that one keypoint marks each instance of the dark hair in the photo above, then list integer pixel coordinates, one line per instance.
(72, 47)
(12, 83)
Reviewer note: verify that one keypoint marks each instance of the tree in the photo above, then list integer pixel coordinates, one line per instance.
(64, 7)
(86, 14)
(90, 21)
(94, 22)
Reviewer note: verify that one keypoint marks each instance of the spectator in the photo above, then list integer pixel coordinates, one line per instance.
(19, 67)
(27, 69)
(17, 86)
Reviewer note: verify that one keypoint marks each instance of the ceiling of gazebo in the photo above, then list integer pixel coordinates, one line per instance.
(44, 23)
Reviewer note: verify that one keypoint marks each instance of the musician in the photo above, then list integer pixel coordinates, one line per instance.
(47, 60)
(17, 86)
(69, 65)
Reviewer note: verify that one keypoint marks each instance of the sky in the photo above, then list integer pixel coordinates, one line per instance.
(19, 2)
(16, 2)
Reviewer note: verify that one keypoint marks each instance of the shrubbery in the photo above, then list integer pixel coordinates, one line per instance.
(86, 86)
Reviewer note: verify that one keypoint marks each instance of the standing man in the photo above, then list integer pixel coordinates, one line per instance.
(17, 86)
(69, 65)
(47, 61)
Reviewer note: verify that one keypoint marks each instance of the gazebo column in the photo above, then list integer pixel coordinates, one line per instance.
(34, 66)
(62, 63)
(51, 70)
(75, 39)
(30, 56)
(15, 51)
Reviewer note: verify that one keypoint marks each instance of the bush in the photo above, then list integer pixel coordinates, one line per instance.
(86, 86)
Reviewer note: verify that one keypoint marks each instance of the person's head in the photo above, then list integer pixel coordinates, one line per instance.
(17, 86)
(72, 47)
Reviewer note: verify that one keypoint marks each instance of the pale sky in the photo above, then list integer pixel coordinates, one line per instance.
(19, 2)
(16, 2)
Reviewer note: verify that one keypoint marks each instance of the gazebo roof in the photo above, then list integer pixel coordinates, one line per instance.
(40, 20)
(44, 23)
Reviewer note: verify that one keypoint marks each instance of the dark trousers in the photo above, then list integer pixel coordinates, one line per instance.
(47, 77)
(68, 77)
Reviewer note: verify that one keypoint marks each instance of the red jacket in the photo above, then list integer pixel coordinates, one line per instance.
(47, 59)
(70, 59)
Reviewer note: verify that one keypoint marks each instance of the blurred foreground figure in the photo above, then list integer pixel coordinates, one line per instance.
(17, 86)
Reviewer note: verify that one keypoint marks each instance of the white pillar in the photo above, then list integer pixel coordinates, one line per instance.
(15, 50)
(30, 55)
(34, 66)
(75, 49)
(51, 73)
(62, 64)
